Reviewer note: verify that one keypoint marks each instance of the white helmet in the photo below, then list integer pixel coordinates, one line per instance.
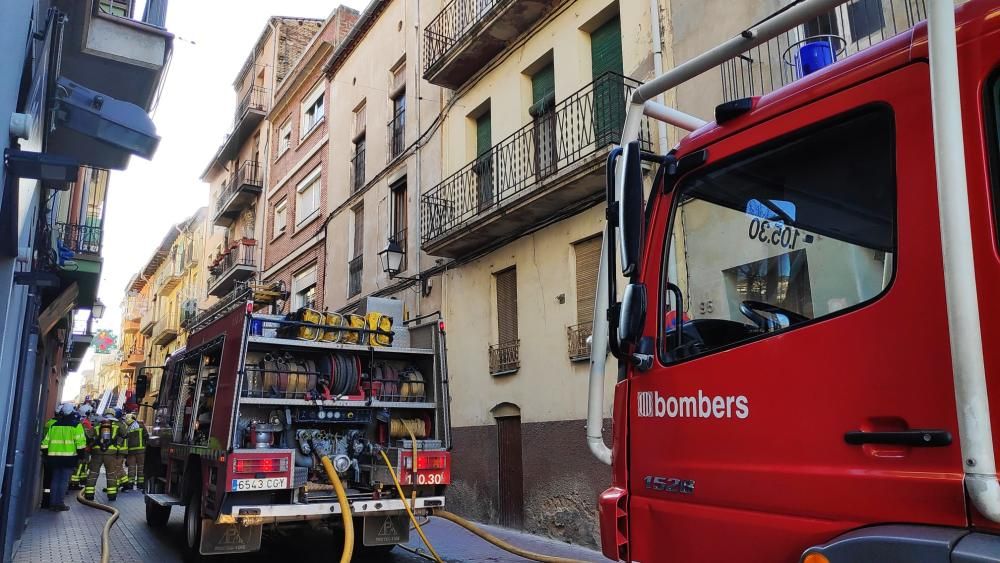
(66, 409)
(85, 409)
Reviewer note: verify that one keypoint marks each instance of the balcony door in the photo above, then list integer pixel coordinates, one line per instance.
(544, 119)
(484, 162)
(607, 68)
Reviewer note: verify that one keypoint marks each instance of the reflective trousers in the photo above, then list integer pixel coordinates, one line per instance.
(112, 463)
(133, 475)
(79, 476)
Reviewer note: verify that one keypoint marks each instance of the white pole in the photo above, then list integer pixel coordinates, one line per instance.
(598, 357)
(654, 26)
(964, 333)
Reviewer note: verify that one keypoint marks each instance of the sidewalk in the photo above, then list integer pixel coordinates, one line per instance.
(75, 537)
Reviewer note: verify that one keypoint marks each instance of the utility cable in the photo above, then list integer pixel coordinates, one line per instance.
(105, 533)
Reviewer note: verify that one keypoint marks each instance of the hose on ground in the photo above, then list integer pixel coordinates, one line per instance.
(406, 505)
(499, 542)
(105, 542)
(345, 510)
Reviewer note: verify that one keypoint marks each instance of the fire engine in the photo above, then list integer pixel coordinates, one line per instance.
(302, 419)
(802, 374)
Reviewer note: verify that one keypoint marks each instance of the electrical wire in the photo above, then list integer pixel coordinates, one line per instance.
(105, 542)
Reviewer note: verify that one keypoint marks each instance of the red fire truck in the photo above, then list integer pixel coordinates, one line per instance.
(249, 412)
(832, 248)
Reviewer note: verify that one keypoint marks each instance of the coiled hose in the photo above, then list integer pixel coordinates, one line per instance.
(105, 542)
(345, 510)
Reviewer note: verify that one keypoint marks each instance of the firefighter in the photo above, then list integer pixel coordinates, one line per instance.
(136, 444)
(109, 441)
(123, 453)
(62, 446)
(46, 473)
(80, 475)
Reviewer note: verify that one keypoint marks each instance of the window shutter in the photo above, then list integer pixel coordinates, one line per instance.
(588, 255)
(507, 305)
(359, 230)
(543, 83)
(606, 48)
(483, 134)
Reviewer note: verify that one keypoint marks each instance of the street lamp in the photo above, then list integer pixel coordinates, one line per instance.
(97, 311)
(391, 259)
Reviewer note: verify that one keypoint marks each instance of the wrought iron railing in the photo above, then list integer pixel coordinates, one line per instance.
(255, 98)
(456, 21)
(579, 348)
(397, 130)
(560, 136)
(248, 174)
(358, 169)
(355, 268)
(505, 357)
(81, 239)
(848, 29)
(242, 252)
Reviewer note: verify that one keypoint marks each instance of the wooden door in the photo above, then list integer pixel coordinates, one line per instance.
(511, 472)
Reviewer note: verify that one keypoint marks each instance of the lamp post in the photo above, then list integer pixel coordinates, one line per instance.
(391, 259)
(97, 311)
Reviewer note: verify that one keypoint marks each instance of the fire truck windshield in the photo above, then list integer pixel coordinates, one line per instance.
(780, 234)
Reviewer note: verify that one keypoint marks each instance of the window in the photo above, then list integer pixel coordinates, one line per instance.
(781, 235)
(355, 267)
(358, 248)
(484, 162)
(358, 165)
(307, 197)
(312, 111)
(504, 356)
(399, 205)
(992, 98)
(284, 138)
(120, 8)
(587, 254)
(865, 18)
(280, 217)
(304, 289)
(397, 127)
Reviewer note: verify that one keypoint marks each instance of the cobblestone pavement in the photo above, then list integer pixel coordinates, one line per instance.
(75, 537)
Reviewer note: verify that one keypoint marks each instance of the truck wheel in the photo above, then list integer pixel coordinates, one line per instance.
(156, 515)
(192, 525)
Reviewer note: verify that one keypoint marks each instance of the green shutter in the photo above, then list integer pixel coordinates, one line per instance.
(543, 83)
(483, 134)
(606, 48)
(609, 91)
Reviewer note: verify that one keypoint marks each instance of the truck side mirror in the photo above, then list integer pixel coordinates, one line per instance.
(141, 386)
(633, 313)
(628, 193)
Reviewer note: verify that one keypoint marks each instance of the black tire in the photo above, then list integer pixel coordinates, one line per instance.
(157, 516)
(192, 526)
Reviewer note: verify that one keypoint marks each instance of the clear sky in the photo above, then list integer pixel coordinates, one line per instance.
(213, 39)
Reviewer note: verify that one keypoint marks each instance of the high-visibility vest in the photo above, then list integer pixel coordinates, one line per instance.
(136, 437)
(64, 440)
(48, 424)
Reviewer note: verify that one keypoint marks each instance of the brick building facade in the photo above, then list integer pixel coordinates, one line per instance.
(296, 200)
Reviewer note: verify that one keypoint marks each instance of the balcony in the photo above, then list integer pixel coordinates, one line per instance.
(250, 111)
(467, 34)
(505, 358)
(136, 356)
(80, 338)
(577, 335)
(355, 269)
(241, 191)
(553, 165)
(130, 326)
(147, 322)
(232, 264)
(109, 48)
(165, 332)
(169, 276)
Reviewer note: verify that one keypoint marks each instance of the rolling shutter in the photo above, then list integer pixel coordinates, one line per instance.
(606, 48)
(609, 90)
(507, 305)
(588, 255)
(543, 83)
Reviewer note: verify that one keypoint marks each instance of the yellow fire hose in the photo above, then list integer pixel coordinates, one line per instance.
(105, 543)
(406, 505)
(345, 510)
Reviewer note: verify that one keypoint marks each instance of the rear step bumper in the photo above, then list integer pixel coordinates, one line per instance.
(163, 499)
(269, 513)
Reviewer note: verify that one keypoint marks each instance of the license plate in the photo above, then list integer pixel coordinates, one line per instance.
(260, 484)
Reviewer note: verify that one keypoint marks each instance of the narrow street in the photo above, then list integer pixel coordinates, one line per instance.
(75, 537)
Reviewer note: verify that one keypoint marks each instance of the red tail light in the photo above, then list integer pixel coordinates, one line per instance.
(265, 465)
(431, 461)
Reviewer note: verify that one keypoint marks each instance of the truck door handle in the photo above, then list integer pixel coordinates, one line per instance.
(915, 438)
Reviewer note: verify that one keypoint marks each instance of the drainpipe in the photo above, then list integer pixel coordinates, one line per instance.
(961, 294)
(416, 93)
(654, 26)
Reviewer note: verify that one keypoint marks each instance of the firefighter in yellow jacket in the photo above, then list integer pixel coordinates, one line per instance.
(107, 450)
(136, 444)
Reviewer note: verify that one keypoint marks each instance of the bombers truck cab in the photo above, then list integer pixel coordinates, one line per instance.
(810, 279)
(283, 421)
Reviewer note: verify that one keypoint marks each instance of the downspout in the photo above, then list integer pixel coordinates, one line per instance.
(961, 294)
(654, 26)
(418, 144)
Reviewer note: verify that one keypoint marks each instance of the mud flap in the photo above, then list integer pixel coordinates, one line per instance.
(218, 539)
(382, 529)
